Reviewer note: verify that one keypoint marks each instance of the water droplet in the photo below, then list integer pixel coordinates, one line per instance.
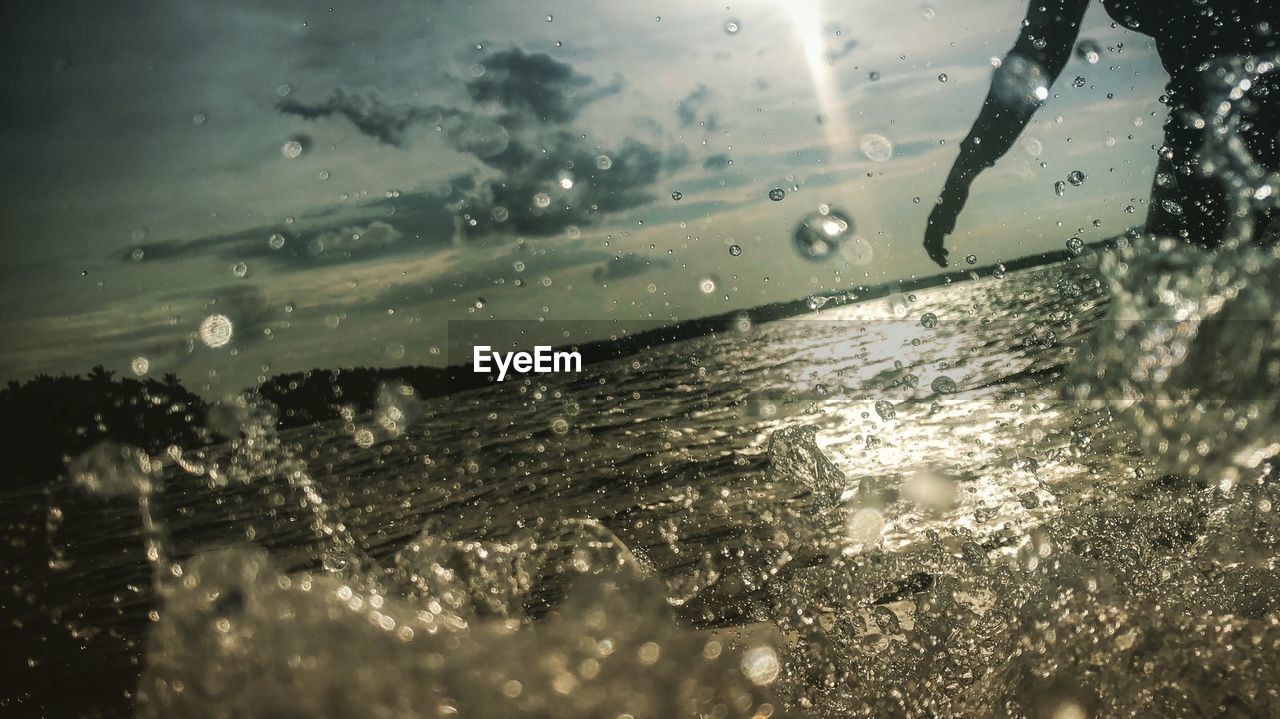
(776, 194)
(199, 118)
(604, 162)
(560, 425)
(877, 148)
(971, 259)
(677, 195)
(140, 365)
(216, 330)
(276, 241)
(292, 149)
(706, 285)
(1075, 245)
(1089, 51)
(885, 409)
(735, 250)
(928, 320)
(1020, 81)
(761, 666)
(483, 138)
(927, 12)
(542, 200)
(943, 384)
(479, 303)
(1078, 82)
(874, 75)
(240, 269)
(1059, 188)
(818, 235)
(942, 77)
(733, 26)
(865, 528)
(1076, 178)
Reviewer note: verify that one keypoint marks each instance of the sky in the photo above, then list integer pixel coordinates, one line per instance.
(232, 190)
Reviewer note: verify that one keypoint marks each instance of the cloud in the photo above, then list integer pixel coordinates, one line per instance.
(718, 161)
(524, 265)
(371, 114)
(409, 223)
(690, 110)
(535, 86)
(527, 88)
(626, 265)
(842, 51)
(548, 177)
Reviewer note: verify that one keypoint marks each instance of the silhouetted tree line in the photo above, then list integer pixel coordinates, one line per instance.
(49, 419)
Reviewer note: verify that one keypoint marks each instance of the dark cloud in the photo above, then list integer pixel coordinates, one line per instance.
(555, 179)
(691, 110)
(718, 161)
(626, 265)
(548, 176)
(381, 119)
(404, 223)
(536, 86)
(527, 88)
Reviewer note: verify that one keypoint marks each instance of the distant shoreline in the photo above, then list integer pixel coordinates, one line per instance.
(321, 395)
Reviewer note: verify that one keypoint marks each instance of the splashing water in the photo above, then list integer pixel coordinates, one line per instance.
(964, 545)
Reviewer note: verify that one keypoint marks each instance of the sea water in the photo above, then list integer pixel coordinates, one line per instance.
(1046, 494)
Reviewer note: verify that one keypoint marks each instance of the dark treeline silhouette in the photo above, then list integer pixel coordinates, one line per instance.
(46, 422)
(48, 419)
